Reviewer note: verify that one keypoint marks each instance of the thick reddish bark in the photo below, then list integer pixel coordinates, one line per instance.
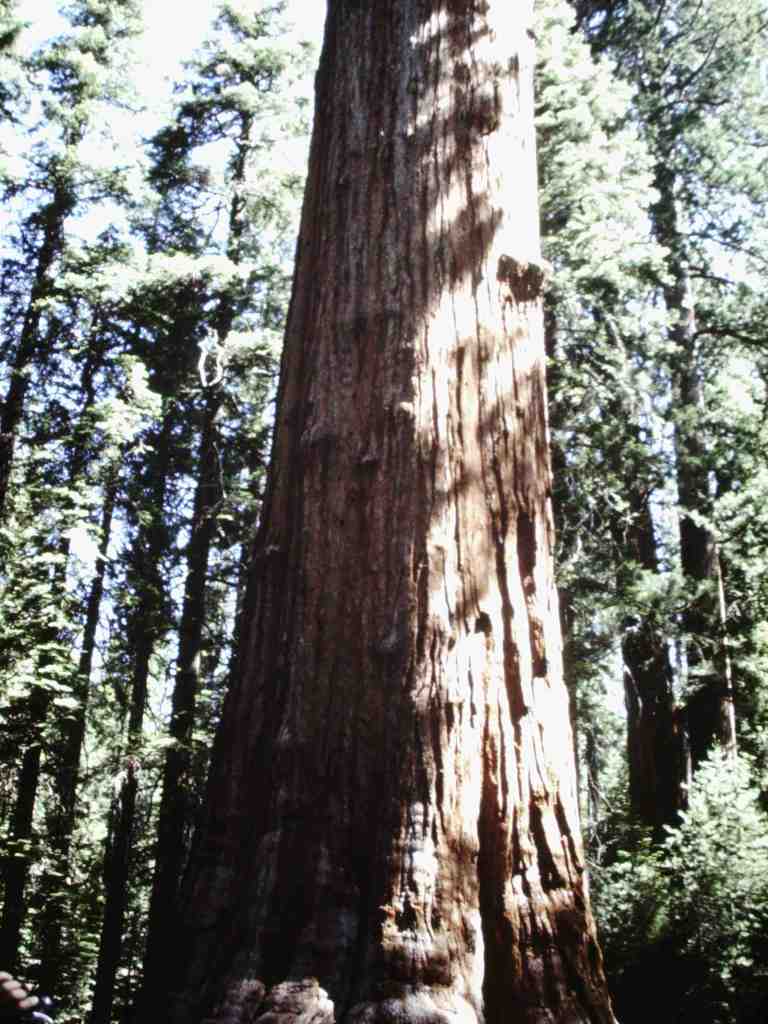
(391, 808)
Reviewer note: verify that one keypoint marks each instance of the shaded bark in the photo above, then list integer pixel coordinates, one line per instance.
(391, 809)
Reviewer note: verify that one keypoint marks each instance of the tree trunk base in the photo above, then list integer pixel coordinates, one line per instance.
(305, 1002)
(290, 1002)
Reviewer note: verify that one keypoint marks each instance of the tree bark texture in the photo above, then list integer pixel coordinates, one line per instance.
(392, 830)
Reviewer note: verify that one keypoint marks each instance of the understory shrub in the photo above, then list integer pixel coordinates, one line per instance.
(684, 924)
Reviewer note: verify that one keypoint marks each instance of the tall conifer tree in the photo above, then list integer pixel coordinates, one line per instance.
(392, 805)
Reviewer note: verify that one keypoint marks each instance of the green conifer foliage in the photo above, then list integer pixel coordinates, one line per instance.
(11, 82)
(48, 337)
(691, 912)
(596, 186)
(685, 908)
(207, 307)
(699, 102)
(99, 331)
(74, 79)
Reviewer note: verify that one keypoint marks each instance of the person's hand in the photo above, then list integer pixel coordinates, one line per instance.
(13, 995)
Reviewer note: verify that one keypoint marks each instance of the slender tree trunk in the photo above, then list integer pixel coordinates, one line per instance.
(28, 723)
(67, 745)
(147, 625)
(116, 871)
(51, 219)
(710, 709)
(175, 816)
(18, 855)
(63, 818)
(392, 812)
(654, 742)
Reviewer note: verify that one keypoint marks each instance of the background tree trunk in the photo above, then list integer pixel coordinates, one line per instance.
(50, 220)
(147, 625)
(176, 804)
(18, 854)
(392, 806)
(63, 818)
(710, 714)
(654, 742)
(29, 723)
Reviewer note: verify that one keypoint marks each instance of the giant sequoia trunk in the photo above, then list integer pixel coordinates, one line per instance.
(391, 812)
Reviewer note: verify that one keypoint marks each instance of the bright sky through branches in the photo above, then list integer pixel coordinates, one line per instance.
(174, 28)
(173, 31)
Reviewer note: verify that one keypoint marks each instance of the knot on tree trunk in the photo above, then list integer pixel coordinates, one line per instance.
(243, 1001)
(296, 1002)
(425, 1006)
(525, 280)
